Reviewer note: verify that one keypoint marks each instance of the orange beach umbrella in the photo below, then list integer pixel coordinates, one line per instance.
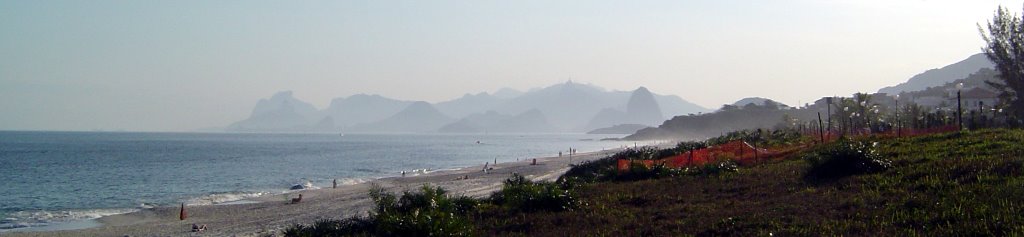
(183, 214)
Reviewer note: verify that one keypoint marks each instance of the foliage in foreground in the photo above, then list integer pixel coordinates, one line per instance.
(432, 212)
(429, 212)
(523, 194)
(844, 158)
(954, 184)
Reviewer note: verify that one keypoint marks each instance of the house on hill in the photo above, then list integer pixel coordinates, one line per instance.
(976, 98)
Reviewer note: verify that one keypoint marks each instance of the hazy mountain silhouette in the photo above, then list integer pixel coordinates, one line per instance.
(507, 93)
(475, 123)
(558, 108)
(281, 113)
(940, 76)
(418, 117)
(729, 118)
(619, 129)
(643, 109)
(362, 108)
(530, 121)
(754, 112)
(493, 122)
(469, 104)
(567, 105)
(283, 100)
(606, 118)
(759, 101)
(575, 107)
(672, 105)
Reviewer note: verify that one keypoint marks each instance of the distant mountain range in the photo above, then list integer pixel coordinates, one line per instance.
(940, 76)
(566, 107)
(756, 112)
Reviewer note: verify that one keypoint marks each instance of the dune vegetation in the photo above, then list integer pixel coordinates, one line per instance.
(956, 183)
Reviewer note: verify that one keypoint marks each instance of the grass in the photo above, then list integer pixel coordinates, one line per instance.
(954, 184)
(940, 185)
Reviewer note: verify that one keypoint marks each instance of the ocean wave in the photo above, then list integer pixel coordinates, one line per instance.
(353, 181)
(219, 198)
(368, 170)
(417, 172)
(31, 219)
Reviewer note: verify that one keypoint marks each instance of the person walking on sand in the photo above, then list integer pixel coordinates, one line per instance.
(335, 183)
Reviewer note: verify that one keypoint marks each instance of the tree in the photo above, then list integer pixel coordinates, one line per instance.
(1005, 47)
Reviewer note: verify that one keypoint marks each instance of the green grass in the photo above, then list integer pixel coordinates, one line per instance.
(938, 185)
(955, 184)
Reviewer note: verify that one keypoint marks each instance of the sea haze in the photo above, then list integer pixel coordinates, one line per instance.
(57, 177)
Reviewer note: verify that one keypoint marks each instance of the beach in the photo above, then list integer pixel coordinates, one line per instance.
(270, 214)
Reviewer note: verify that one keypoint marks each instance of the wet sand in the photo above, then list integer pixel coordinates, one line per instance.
(272, 213)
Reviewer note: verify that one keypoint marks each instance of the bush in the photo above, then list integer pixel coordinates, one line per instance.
(844, 158)
(721, 166)
(355, 226)
(590, 171)
(641, 172)
(427, 213)
(525, 195)
(430, 212)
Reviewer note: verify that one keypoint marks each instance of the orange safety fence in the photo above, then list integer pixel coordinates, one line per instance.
(745, 154)
(738, 151)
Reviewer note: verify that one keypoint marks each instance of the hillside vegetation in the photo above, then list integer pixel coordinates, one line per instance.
(949, 184)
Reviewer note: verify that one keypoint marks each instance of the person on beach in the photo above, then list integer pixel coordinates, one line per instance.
(198, 228)
(335, 183)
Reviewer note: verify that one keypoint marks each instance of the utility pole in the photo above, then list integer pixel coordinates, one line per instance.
(959, 111)
(828, 100)
(821, 131)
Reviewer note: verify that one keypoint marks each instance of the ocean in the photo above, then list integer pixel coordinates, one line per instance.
(55, 179)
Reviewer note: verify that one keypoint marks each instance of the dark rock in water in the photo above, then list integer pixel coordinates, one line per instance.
(298, 187)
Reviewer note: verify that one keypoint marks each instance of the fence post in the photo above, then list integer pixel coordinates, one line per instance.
(821, 131)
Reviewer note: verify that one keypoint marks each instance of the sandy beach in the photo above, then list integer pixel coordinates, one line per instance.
(268, 215)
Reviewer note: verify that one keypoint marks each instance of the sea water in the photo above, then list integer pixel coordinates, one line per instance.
(65, 179)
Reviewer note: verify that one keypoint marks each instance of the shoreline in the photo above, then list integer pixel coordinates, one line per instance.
(269, 214)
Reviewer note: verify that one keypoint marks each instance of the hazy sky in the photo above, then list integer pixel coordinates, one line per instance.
(182, 65)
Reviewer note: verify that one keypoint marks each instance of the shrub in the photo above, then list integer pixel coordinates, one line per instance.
(430, 212)
(590, 171)
(355, 226)
(427, 213)
(845, 157)
(721, 166)
(525, 195)
(641, 172)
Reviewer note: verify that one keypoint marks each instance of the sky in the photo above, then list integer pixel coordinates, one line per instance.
(185, 65)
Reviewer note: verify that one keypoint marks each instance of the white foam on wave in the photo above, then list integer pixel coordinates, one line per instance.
(28, 220)
(418, 172)
(221, 198)
(353, 181)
